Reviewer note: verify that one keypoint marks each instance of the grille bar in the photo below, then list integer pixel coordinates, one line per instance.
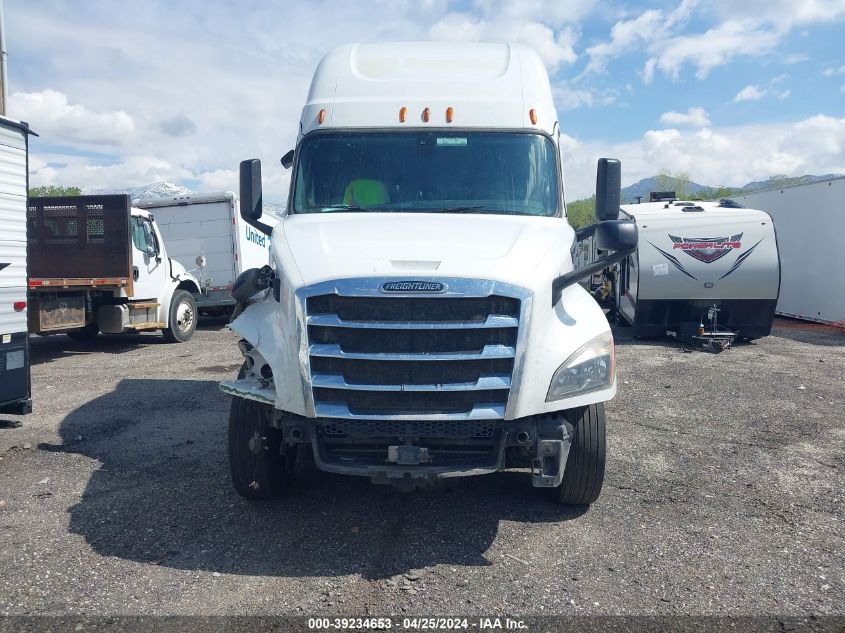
(333, 350)
(478, 412)
(337, 381)
(492, 321)
(400, 359)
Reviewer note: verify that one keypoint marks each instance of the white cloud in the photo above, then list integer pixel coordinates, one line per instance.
(50, 113)
(749, 93)
(783, 94)
(715, 47)
(830, 72)
(624, 36)
(555, 48)
(728, 156)
(695, 117)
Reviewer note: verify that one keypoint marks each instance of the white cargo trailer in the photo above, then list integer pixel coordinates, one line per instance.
(210, 225)
(14, 337)
(708, 266)
(809, 219)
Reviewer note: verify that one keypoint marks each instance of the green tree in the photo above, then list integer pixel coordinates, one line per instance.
(677, 181)
(778, 180)
(581, 212)
(53, 191)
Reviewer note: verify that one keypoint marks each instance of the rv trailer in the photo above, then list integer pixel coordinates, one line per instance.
(809, 219)
(702, 271)
(14, 336)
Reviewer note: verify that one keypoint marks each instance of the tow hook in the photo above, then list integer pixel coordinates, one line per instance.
(256, 443)
(550, 457)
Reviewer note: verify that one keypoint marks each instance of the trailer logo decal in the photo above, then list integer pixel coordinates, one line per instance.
(674, 261)
(3, 265)
(740, 259)
(706, 249)
(413, 286)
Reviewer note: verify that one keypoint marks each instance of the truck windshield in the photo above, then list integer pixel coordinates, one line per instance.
(445, 172)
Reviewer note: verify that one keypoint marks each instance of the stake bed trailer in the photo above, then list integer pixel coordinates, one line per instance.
(210, 225)
(15, 392)
(809, 219)
(701, 269)
(98, 265)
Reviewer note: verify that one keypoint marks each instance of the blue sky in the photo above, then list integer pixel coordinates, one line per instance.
(124, 94)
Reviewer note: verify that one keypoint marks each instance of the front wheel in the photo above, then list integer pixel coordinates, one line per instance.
(182, 320)
(260, 464)
(584, 474)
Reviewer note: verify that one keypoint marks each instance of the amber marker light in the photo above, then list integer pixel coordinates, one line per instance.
(426, 115)
(321, 117)
(532, 114)
(450, 114)
(403, 114)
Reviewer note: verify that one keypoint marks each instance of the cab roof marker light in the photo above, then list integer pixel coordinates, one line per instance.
(403, 114)
(426, 115)
(532, 114)
(321, 116)
(450, 114)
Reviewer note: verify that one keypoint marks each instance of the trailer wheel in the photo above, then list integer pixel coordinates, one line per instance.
(260, 464)
(584, 474)
(182, 320)
(85, 333)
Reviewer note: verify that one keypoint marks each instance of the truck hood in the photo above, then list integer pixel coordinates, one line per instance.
(499, 247)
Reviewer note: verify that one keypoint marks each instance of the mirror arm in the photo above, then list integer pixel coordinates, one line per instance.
(562, 282)
(585, 231)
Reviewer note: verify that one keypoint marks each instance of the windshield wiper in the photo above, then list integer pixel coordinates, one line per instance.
(463, 209)
(345, 207)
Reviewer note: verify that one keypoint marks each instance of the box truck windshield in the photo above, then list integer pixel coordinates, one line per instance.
(509, 173)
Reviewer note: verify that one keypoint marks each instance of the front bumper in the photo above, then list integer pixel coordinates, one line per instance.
(417, 452)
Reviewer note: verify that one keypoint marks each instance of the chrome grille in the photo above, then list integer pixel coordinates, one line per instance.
(444, 358)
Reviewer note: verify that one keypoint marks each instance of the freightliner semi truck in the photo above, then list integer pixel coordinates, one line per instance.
(421, 316)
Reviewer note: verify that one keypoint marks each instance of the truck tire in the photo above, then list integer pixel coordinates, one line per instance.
(260, 465)
(85, 333)
(182, 320)
(584, 474)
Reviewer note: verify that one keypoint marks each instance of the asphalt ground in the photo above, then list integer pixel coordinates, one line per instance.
(723, 496)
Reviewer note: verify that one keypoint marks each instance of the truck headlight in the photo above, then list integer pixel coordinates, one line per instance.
(590, 368)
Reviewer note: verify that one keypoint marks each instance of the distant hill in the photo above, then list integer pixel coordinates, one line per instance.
(168, 190)
(647, 185)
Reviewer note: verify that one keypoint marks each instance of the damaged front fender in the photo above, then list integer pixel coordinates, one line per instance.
(273, 357)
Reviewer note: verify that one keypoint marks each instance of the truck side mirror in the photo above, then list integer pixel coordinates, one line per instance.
(616, 235)
(608, 189)
(251, 195)
(287, 160)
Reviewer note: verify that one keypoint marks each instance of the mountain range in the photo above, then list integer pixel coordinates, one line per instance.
(629, 194)
(642, 188)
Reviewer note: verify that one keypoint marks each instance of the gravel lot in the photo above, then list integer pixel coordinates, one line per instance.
(723, 495)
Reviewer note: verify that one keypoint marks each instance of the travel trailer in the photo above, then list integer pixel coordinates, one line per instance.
(702, 271)
(15, 394)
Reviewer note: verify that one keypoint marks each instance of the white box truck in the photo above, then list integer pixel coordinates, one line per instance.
(421, 318)
(703, 271)
(15, 395)
(209, 226)
(809, 219)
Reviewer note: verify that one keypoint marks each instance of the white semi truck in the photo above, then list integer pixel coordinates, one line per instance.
(421, 318)
(206, 233)
(96, 264)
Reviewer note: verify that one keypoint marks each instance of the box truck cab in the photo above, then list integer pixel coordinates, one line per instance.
(421, 317)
